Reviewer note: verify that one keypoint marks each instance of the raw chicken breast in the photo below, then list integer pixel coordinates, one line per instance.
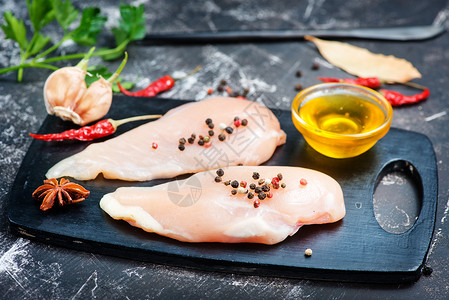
(198, 209)
(131, 156)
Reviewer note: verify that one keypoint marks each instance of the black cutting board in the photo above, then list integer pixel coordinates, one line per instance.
(353, 249)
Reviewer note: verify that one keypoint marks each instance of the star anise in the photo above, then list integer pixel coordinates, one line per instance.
(65, 191)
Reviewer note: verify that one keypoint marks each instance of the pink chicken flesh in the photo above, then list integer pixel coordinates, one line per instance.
(131, 156)
(198, 209)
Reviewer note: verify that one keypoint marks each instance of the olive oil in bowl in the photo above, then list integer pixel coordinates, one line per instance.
(341, 120)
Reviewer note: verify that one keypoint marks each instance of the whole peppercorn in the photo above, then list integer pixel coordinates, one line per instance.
(265, 188)
(193, 136)
(257, 190)
(181, 147)
(223, 82)
(262, 195)
(221, 137)
(256, 203)
(250, 195)
(191, 140)
(208, 121)
(298, 87)
(244, 122)
(229, 130)
(243, 184)
(235, 184)
(252, 186)
(182, 141)
(270, 195)
(283, 185)
(206, 139)
(276, 185)
(220, 172)
(256, 175)
(236, 118)
(227, 182)
(261, 181)
(315, 66)
(303, 181)
(308, 252)
(211, 133)
(242, 190)
(237, 123)
(298, 73)
(234, 192)
(218, 179)
(211, 125)
(275, 180)
(200, 142)
(279, 176)
(154, 145)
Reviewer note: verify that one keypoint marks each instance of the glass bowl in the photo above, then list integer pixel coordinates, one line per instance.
(341, 120)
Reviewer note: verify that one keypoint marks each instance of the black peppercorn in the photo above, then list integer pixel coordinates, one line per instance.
(256, 175)
(220, 172)
(211, 125)
(265, 188)
(279, 175)
(252, 186)
(222, 137)
(234, 192)
(298, 73)
(262, 195)
(208, 121)
(181, 147)
(244, 122)
(182, 141)
(315, 66)
(261, 181)
(229, 130)
(283, 185)
(211, 133)
(200, 142)
(250, 195)
(258, 189)
(235, 184)
(236, 118)
(218, 179)
(191, 140)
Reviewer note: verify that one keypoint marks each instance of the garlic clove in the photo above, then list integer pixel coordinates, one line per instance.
(65, 87)
(67, 114)
(95, 102)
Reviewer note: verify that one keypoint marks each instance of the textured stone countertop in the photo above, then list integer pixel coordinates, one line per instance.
(34, 270)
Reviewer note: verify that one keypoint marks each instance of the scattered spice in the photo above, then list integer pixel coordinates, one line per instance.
(243, 184)
(265, 188)
(206, 139)
(201, 142)
(371, 82)
(88, 133)
(242, 190)
(261, 181)
(396, 98)
(210, 91)
(229, 130)
(235, 184)
(222, 126)
(211, 133)
(256, 203)
(237, 123)
(233, 192)
(208, 121)
(298, 73)
(220, 172)
(227, 182)
(221, 137)
(308, 252)
(279, 176)
(162, 84)
(283, 185)
(191, 140)
(65, 192)
(182, 141)
(270, 195)
(303, 181)
(315, 66)
(154, 145)
(298, 87)
(256, 175)
(252, 186)
(244, 122)
(250, 195)
(181, 147)
(211, 125)
(262, 196)
(218, 179)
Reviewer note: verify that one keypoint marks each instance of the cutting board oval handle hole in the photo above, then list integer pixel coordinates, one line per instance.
(397, 196)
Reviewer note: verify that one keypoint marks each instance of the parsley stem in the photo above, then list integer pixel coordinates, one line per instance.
(28, 65)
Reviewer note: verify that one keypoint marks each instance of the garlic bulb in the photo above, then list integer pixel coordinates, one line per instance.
(67, 96)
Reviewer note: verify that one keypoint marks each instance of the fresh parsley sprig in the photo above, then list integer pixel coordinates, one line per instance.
(35, 52)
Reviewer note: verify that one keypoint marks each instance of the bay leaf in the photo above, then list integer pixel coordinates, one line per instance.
(361, 62)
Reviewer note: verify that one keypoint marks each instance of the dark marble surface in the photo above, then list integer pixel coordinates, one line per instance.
(32, 270)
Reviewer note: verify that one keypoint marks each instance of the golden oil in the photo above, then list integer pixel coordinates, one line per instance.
(342, 114)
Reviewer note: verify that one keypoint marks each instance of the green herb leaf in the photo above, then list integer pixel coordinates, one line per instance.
(132, 24)
(15, 30)
(41, 13)
(39, 43)
(90, 26)
(100, 70)
(65, 13)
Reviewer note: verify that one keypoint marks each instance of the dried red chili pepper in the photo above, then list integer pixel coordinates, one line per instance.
(396, 98)
(161, 85)
(88, 133)
(371, 82)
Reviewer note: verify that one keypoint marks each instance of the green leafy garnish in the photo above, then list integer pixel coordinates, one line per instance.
(99, 70)
(35, 52)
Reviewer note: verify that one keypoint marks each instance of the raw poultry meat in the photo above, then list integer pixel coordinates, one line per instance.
(200, 209)
(152, 150)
